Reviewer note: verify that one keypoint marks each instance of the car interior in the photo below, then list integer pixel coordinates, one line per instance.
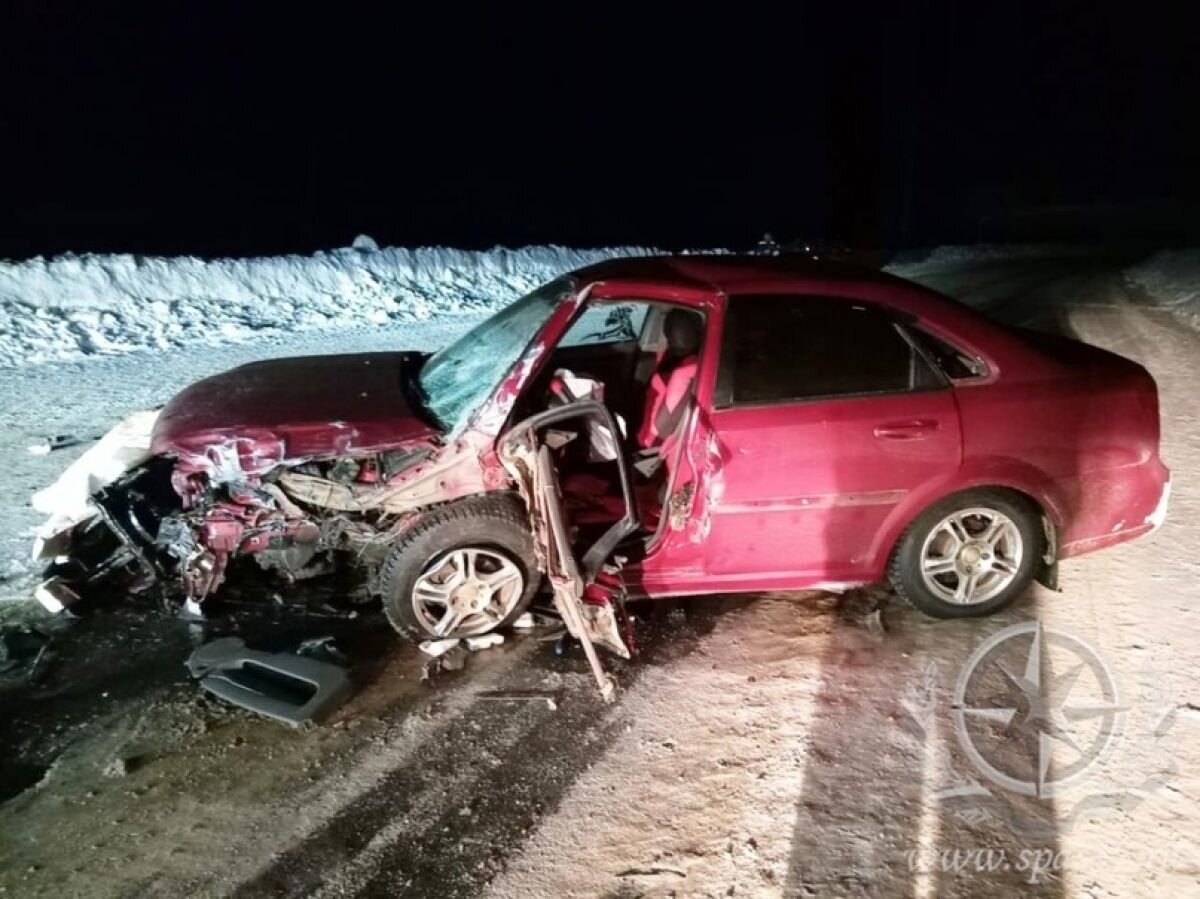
(640, 359)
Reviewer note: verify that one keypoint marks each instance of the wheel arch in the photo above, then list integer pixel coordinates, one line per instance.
(414, 517)
(1040, 497)
(443, 526)
(417, 518)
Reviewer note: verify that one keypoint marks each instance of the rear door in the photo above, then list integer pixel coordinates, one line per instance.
(825, 418)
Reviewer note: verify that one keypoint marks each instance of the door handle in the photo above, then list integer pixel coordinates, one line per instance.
(906, 430)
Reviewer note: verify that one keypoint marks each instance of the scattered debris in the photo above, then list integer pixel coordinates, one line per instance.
(18, 644)
(484, 641)
(37, 667)
(55, 595)
(23, 648)
(453, 660)
(452, 657)
(121, 766)
(452, 654)
(437, 648)
(323, 649)
(525, 622)
(289, 688)
(55, 442)
(653, 871)
(546, 696)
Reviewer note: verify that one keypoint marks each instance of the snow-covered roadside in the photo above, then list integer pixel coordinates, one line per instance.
(953, 255)
(1172, 279)
(80, 306)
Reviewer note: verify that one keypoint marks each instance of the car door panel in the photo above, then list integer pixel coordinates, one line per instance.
(804, 487)
(586, 583)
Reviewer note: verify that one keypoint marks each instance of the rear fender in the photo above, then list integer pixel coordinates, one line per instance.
(1009, 474)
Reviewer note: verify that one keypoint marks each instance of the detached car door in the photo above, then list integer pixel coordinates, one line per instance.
(826, 417)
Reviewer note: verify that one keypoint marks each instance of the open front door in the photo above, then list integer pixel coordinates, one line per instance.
(588, 592)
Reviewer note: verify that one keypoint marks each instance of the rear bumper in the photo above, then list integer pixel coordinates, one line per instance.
(1119, 506)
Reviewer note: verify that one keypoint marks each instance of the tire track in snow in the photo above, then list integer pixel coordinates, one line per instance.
(444, 819)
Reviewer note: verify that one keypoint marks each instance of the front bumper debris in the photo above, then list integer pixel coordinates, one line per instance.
(293, 689)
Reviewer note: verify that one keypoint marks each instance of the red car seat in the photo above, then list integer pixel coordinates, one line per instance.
(673, 380)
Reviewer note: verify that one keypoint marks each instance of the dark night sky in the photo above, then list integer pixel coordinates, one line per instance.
(179, 128)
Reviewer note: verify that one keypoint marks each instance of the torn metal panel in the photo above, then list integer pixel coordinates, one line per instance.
(562, 571)
(586, 606)
(456, 473)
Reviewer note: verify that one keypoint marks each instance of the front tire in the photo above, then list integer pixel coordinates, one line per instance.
(969, 555)
(466, 569)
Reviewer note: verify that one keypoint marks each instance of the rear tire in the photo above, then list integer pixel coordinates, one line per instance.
(484, 537)
(969, 555)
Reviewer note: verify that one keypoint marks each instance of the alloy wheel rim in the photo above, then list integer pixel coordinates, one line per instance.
(466, 592)
(971, 556)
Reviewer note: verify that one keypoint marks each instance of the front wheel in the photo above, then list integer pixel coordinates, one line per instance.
(467, 569)
(969, 555)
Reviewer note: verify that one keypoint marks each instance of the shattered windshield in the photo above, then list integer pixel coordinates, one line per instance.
(458, 378)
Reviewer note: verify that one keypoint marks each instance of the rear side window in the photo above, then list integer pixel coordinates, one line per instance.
(779, 348)
(954, 363)
(602, 323)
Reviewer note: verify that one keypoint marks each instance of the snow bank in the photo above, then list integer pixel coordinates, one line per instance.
(1171, 278)
(77, 306)
(955, 255)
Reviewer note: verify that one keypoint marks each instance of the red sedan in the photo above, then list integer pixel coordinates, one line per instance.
(652, 426)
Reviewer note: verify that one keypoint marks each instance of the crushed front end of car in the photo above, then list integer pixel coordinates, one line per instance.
(305, 466)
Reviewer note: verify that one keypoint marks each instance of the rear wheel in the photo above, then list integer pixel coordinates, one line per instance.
(469, 568)
(969, 555)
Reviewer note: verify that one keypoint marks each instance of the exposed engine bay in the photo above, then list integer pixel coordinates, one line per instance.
(159, 524)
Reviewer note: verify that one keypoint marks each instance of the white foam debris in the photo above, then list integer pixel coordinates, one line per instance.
(437, 648)
(484, 641)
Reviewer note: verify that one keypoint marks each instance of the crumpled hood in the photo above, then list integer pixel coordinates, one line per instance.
(292, 409)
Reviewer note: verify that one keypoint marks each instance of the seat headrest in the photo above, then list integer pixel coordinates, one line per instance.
(683, 331)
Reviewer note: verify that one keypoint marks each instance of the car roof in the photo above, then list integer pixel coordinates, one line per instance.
(730, 274)
(692, 278)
